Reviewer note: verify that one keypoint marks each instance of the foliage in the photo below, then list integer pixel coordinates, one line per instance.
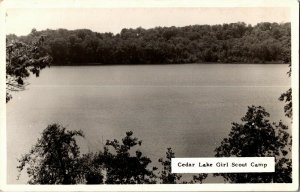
(91, 169)
(121, 166)
(287, 98)
(227, 43)
(199, 178)
(166, 176)
(21, 59)
(55, 158)
(257, 137)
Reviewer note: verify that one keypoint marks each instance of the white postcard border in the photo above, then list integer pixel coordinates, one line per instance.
(293, 4)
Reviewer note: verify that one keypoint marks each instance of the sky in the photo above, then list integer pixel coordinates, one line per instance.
(21, 21)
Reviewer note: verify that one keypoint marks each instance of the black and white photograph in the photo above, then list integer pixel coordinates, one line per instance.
(118, 95)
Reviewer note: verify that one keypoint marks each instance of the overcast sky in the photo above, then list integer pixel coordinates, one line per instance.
(21, 21)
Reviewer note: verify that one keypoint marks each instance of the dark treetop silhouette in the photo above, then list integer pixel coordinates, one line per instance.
(257, 137)
(228, 43)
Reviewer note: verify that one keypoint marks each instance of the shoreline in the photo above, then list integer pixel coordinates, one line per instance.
(205, 63)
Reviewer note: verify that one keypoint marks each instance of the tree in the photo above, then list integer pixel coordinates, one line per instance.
(21, 59)
(55, 158)
(121, 166)
(257, 137)
(166, 176)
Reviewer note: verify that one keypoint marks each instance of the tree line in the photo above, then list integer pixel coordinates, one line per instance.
(227, 43)
(56, 159)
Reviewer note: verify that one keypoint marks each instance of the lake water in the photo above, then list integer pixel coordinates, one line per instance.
(187, 107)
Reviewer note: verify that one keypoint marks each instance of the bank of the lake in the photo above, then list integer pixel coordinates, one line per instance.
(133, 64)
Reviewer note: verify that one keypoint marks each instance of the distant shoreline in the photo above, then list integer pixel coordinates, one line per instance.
(204, 63)
(204, 44)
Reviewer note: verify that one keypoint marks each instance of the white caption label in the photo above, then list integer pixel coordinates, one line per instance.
(223, 165)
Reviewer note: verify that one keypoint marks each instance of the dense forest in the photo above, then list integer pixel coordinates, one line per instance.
(227, 43)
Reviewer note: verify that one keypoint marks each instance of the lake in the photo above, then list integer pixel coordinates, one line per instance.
(188, 107)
